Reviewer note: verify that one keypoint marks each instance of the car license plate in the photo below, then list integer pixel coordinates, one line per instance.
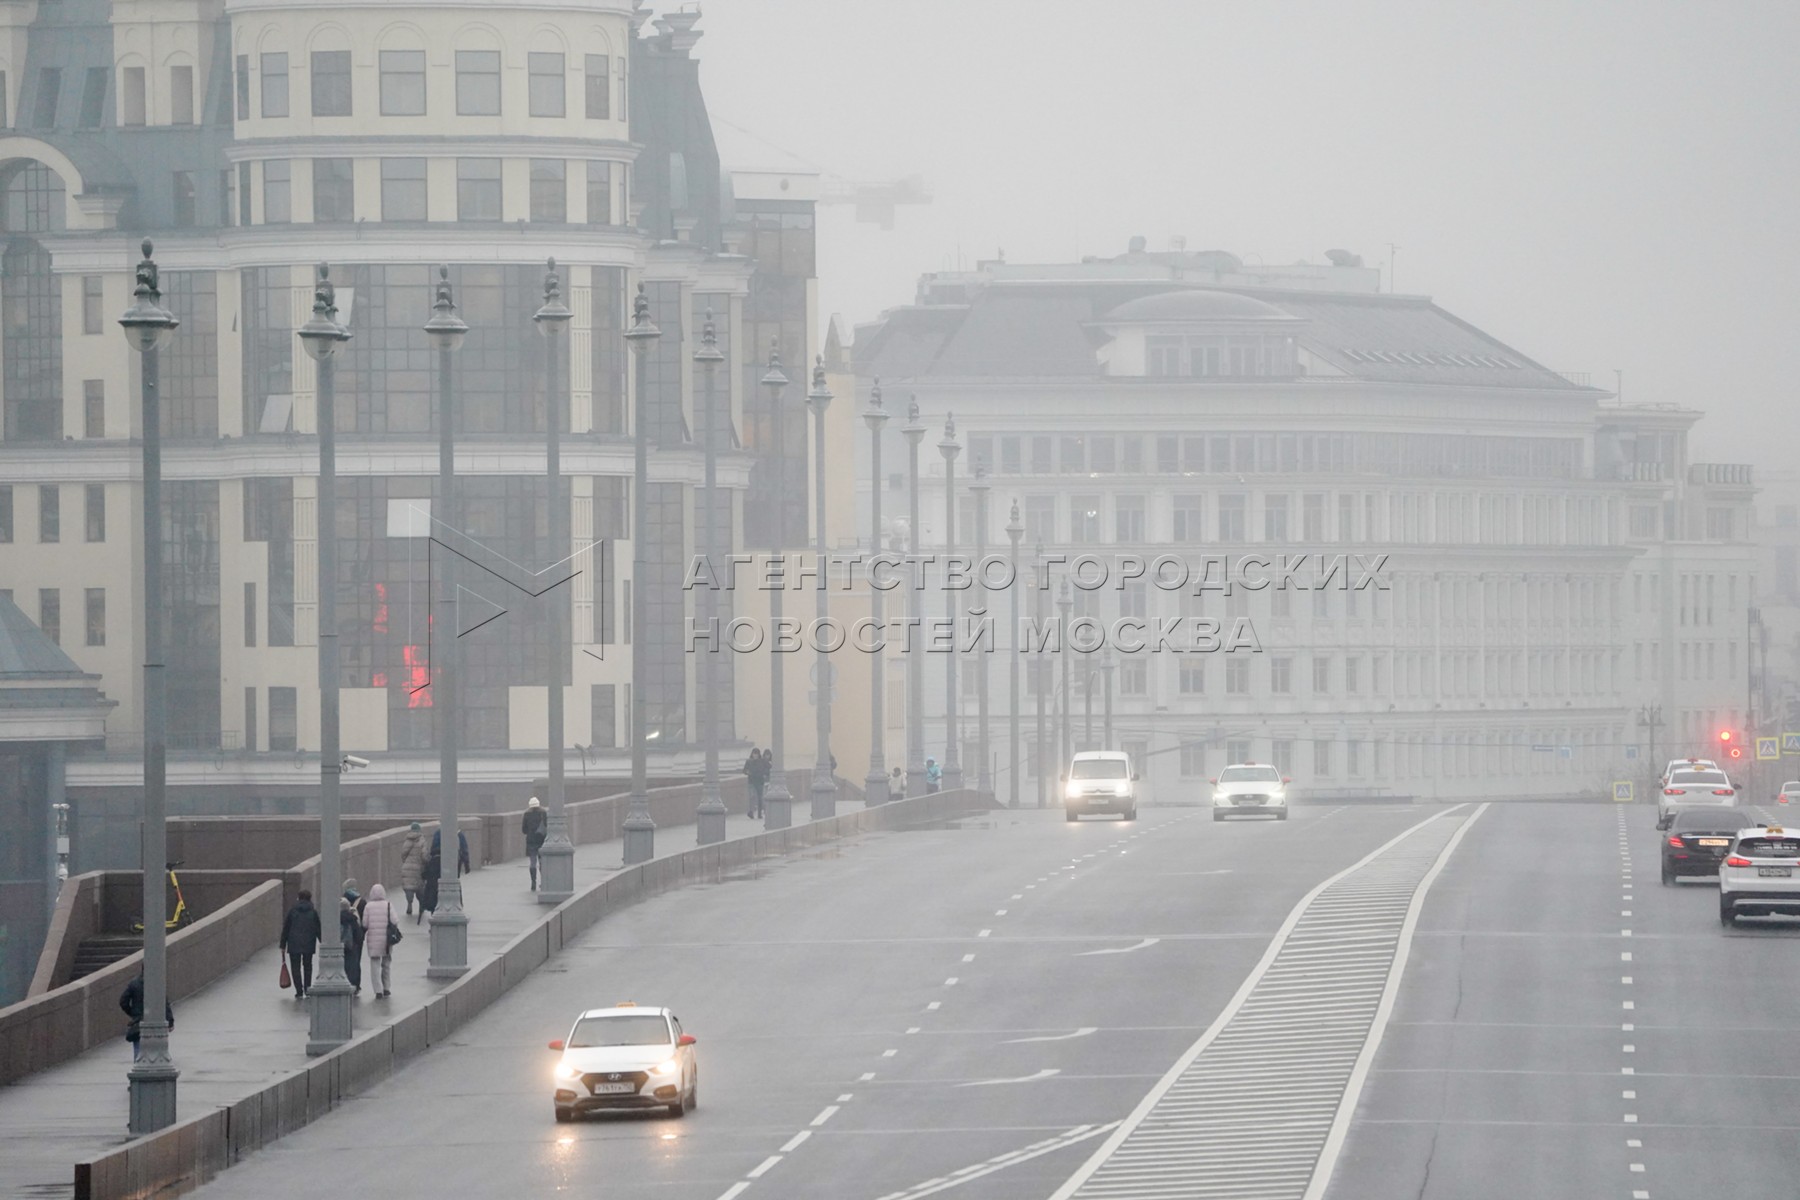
(1778, 872)
(614, 1089)
(1715, 841)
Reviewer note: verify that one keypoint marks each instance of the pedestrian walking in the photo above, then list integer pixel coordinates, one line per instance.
(353, 896)
(532, 825)
(896, 783)
(412, 863)
(301, 932)
(462, 849)
(934, 775)
(350, 936)
(380, 932)
(131, 1002)
(752, 772)
(764, 773)
(428, 885)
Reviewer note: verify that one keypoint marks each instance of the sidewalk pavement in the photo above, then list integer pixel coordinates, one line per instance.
(243, 1031)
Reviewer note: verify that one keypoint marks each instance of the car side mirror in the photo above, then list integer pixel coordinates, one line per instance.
(1062, 776)
(1286, 780)
(686, 1039)
(1212, 781)
(1135, 777)
(557, 1044)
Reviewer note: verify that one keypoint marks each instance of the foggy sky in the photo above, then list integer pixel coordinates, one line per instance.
(1601, 185)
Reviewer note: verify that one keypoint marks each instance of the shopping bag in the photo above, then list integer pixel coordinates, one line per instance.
(287, 981)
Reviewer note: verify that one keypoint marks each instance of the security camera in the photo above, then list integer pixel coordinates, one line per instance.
(353, 760)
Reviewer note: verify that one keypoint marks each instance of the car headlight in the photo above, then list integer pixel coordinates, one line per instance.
(1281, 796)
(666, 1067)
(1121, 789)
(1072, 791)
(567, 1071)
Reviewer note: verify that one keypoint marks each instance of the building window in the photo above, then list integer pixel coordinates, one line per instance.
(227, 195)
(93, 304)
(549, 189)
(95, 495)
(1189, 511)
(477, 188)
(1237, 750)
(96, 616)
(1192, 678)
(1103, 456)
(49, 513)
(403, 195)
(93, 98)
(187, 209)
(477, 83)
(284, 718)
(243, 190)
(1237, 676)
(1275, 518)
(402, 83)
(274, 85)
(49, 91)
(6, 513)
(241, 87)
(604, 724)
(132, 102)
(1193, 760)
(1134, 598)
(249, 613)
(1281, 603)
(278, 207)
(5, 116)
(334, 191)
(596, 87)
(599, 192)
(1134, 678)
(330, 83)
(1281, 676)
(1718, 524)
(1040, 519)
(181, 95)
(1352, 673)
(1084, 519)
(1353, 758)
(624, 89)
(1321, 758)
(50, 613)
(93, 407)
(250, 719)
(1010, 461)
(547, 83)
(1321, 674)
(1128, 518)
(1162, 356)
(1233, 517)
(1281, 756)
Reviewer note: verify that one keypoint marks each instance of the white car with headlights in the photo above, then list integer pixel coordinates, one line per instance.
(1760, 875)
(1249, 788)
(625, 1057)
(1693, 789)
(1100, 781)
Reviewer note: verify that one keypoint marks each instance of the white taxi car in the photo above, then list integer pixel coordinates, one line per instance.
(626, 1057)
(1760, 875)
(1249, 788)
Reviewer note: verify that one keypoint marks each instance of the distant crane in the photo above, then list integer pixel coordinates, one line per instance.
(874, 202)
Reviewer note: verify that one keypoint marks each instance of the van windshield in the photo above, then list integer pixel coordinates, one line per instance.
(1098, 768)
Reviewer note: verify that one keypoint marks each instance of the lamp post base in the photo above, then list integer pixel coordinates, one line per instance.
(778, 807)
(556, 870)
(449, 943)
(152, 1086)
(875, 788)
(824, 796)
(953, 777)
(640, 839)
(710, 822)
(329, 1003)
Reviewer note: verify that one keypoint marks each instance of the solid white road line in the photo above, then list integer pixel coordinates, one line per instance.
(1084, 1031)
(1046, 1073)
(1145, 944)
(1000, 1162)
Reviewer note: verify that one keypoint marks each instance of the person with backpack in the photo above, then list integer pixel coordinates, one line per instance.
(934, 775)
(131, 1002)
(381, 933)
(301, 933)
(533, 828)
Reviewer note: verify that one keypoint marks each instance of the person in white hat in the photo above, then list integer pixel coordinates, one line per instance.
(533, 828)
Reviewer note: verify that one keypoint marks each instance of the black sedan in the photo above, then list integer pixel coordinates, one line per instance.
(1697, 841)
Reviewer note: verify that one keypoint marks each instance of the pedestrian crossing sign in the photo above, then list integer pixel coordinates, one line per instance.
(1622, 791)
(1790, 743)
(1767, 749)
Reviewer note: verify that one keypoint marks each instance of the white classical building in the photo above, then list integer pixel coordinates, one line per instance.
(1555, 566)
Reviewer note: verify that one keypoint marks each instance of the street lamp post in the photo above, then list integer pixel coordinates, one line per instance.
(556, 859)
(151, 1080)
(329, 996)
(1014, 532)
(914, 429)
(1064, 603)
(984, 780)
(875, 783)
(1087, 705)
(709, 818)
(1106, 673)
(1040, 677)
(953, 772)
(640, 829)
(824, 786)
(449, 923)
(778, 802)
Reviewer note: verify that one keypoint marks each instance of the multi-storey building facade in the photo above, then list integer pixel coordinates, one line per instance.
(1553, 562)
(253, 139)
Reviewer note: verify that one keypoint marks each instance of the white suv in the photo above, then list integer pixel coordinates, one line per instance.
(1249, 788)
(1760, 875)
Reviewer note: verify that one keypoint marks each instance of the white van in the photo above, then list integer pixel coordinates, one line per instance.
(1100, 781)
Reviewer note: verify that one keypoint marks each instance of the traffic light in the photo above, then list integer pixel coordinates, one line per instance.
(1728, 742)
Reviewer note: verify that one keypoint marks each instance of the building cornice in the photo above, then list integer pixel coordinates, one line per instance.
(364, 241)
(401, 145)
(583, 8)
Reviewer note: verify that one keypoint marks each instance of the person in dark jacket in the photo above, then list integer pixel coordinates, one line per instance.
(462, 849)
(756, 769)
(131, 1002)
(533, 828)
(350, 934)
(301, 932)
(429, 875)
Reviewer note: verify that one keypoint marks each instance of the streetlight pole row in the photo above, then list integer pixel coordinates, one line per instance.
(778, 802)
(953, 772)
(983, 769)
(709, 818)
(556, 859)
(824, 786)
(914, 429)
(640, 829)
(875, 783)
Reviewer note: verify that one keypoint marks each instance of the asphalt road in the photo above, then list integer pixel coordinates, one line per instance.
(978, 1004)
(1569, 1028)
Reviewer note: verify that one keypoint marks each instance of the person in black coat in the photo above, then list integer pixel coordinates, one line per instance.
(532, 826)
(350, 935)
(428, 883)
(301, 932)
(462, 849)
(131, 1002)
